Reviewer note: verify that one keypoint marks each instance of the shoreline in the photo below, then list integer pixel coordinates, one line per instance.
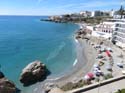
(53, 79)
(86, 58)
(74, 62)
(82, 62)
(84, 65)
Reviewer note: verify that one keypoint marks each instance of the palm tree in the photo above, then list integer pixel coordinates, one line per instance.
(121, 11)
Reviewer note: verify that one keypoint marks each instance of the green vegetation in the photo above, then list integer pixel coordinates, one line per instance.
(95, 20)
(70, 85)
(97, 79)
(89, 20)
(108, 76)
(121, 11)
(121, 91)
(78, 19)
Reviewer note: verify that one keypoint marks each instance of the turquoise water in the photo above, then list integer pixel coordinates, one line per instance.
(24, 39)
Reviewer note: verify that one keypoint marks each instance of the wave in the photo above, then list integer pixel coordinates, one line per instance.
(52, 79)
(57, 78)
(76, 41)
(54, 53)
(75, 62)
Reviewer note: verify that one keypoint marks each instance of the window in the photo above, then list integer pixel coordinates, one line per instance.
(116, 29)
(117, 25)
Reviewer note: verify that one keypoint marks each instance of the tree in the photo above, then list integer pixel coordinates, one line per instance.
(121, 11)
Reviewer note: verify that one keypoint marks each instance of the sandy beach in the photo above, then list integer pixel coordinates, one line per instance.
(85, 58)
(82, 65)
(85, 61)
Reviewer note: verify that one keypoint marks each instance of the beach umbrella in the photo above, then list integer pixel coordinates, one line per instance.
(98, 74)
(109, 67)
(86, 77)
(109, 49)
(97, 46)
(97, 71)
(101, 43)
(108, 53)
(91, 75)
(100, 56)
(102, 49)
(96, 66)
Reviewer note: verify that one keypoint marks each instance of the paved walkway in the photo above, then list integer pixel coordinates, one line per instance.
(109, 88)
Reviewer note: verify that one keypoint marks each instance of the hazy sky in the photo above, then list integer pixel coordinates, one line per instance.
(52, 7)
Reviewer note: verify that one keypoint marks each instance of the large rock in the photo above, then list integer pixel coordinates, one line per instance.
(33, 72)
(6, 86)
(1, 75)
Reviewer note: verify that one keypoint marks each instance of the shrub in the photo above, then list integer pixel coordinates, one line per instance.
(108, 76)
(121, 91)
(70, 85)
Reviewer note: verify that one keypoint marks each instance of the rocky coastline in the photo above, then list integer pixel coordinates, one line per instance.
(7, 86)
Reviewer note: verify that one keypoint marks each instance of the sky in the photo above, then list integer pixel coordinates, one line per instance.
(54, 7)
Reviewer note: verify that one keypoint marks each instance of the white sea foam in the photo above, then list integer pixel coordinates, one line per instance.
(35, 89)
(76, 41)
(75, 62)
(55, 78)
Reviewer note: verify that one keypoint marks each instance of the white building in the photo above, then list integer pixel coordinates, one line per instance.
(119, 33)
(100, 13)
(114, 29)
(85, 13)
(105, 29)
(96, 13)
(111, 13)
(117, 16)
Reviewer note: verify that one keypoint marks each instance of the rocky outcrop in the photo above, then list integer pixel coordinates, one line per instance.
(1, 75)
(52, 88)
(56, 90)
(48, 86)
(6, 86)
(33, 72)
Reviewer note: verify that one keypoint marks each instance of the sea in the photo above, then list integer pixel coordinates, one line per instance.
(24, 39)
